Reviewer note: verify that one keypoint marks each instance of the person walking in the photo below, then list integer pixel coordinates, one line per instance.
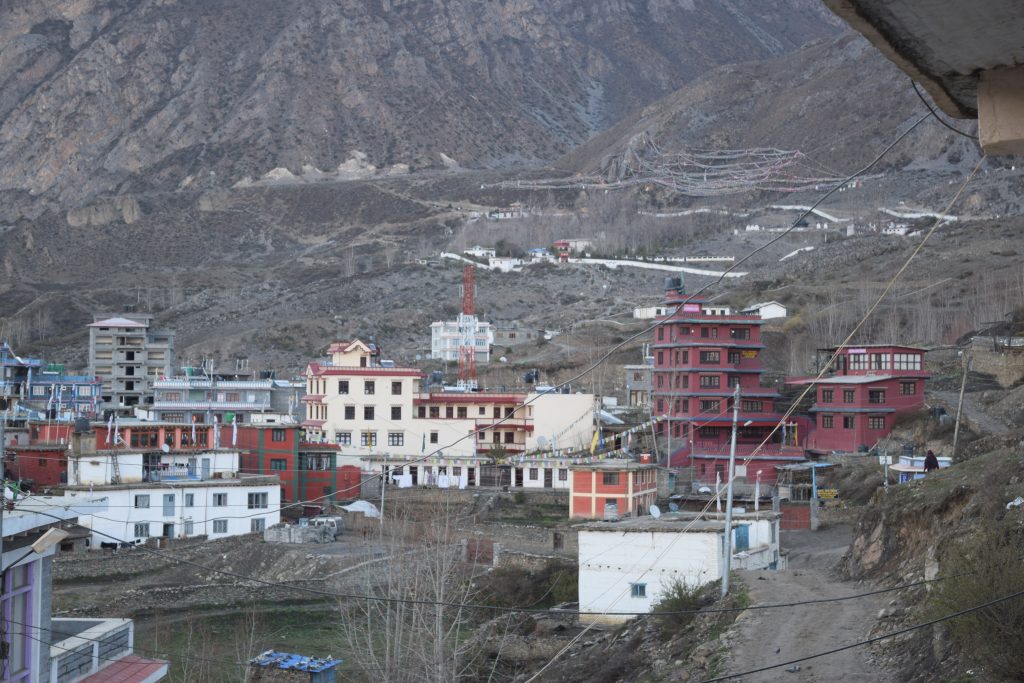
(931, 463)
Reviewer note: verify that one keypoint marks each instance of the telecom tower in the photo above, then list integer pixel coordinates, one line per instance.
(468, 329)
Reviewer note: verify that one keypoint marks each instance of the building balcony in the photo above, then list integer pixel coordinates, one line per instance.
(194, 383)
(485, 448)
(510, 423)
(211, 405)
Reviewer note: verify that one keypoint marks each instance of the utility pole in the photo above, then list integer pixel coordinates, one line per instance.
(727, 559)
(960, 403)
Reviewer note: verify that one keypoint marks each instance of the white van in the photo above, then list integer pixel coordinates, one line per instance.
(335, 524)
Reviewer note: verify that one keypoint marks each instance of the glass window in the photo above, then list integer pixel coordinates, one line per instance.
(876, 422)
(367, 412)
(847, 395)
(190, 500)
(433, 437)
(638, 590)
(610, 478)
(220, 526)
(710, 381)
(277, 435)
(278, 464)
(396, 388)
(342, 386)
(142, 530)
(220, 500)
(876, 396)
(257, 524)
(848, 421)
(343, 438)
(740, 333)
(350, 412)
(563, 474)
(827, 421)
(827, 395)
(396, 412)
(189, 527)
(142, 501)
(908, 388)
(533, 472)
(257, 501)
(367, 438)
(396, 439)
(714, 357)
(369, 387)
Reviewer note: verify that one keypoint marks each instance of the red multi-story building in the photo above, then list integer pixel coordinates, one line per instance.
(308, 471)
(631, 486)
(702, 353)
(866, 387)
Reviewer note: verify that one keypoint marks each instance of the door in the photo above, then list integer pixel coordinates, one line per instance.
(471, 476)
(169, 530)
(414, 474)
(168, 505)
(742, 538)
(191, 467)
(519, 476)
(548, 481)
(206, 468)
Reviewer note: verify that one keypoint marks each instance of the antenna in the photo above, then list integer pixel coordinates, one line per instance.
(468, 328)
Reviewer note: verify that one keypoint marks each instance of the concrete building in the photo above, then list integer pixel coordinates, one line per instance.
(865, 389)
(446, 337)
(911, 467)
(128, 355)
(201, 397)
(627, 566)
(480, 252)
(63, 396)
(638, 383)
(650, 312)
(612, 488)
(767, 310)
(16, 377)
(380, 419)
(511, 333)
(702, 353)
(177, 492)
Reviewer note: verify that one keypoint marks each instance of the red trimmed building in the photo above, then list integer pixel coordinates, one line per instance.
(702, 352)
(308, 471)
(631, 486)
(866, 388)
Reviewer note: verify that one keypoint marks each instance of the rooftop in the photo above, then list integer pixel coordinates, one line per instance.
(614, 464)
(118, 322)
(680, 522)
(285, 660)
(853, 379)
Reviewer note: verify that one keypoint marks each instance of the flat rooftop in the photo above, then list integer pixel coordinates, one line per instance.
(679, 522)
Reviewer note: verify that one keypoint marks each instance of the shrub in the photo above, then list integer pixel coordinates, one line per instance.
(676, 607)
(986, 567)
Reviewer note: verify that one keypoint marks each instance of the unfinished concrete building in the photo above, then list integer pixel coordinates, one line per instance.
(128, 355)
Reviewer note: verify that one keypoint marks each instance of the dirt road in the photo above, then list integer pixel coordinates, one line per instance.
(974, 414)
(763, 637)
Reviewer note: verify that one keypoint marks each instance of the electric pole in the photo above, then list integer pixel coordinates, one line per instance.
(727, 559)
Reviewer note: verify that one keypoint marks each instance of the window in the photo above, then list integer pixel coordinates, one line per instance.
(144, 439)
(421, 411)
(710, 381)
(610, 478)
(827, 395)
(734, 358)
(710, 405)
(396, 439)
(661, 358)
(879, 361)
(461, 412)
(876, 396)
(278, 464)
(367, 412)
(908, 388)
(704, 332)
(342, 386)
(752, 406)
(638, 590)
(142, 501)
(563, 474)
(483, 411)
(190, 500)
(367, 438)
(876, 422)
(686, 357)
(533, 474)
(660, 381)
(257, 524)
(711, 357)
(906, 361)
(343, 438)
(396, 412)
(449, 412)
(661, 333)
(278, 435)
(350, 412)
(740, 333)
(369, 387)
(510, 437)
(847, 395)
(396, 388)
(220, 526)
(827, 421)
(661, 406)
(257, 501)
(435, 412)
(848, 421)
(189, 528)
(496, 437)
(456, 471)
(858, 361)
(42, 462)
(220, 500)
(433, 437)
(734, 381)
(142, 530)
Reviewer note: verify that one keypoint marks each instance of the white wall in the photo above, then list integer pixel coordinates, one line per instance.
(564, 420)
(609, 561)
(97, 469)
(121, 516)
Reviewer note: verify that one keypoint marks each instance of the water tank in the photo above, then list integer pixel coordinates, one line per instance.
(81, 425)
(673, 284)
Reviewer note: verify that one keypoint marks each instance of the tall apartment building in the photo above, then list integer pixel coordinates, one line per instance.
(702, 353)
(128, 355)
(446, 338)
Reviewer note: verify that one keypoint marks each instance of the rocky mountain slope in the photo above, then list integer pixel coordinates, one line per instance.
(102, 97)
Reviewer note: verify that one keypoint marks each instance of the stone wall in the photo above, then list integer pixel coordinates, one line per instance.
(513, 559)
(534, 540)
(1007, 367)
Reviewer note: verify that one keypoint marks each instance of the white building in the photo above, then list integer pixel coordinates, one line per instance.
(650, 312)
(766, 310)
(480, 252)
(627, 566)
(446, 337)
(504, 264)
(173, 494)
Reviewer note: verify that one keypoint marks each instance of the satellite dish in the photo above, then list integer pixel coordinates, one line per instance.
(165, 448)
(655, 511)
(673, 507)
(542, 441)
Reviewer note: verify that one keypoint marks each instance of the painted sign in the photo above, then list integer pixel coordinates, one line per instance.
(853, 352)
(691, 308)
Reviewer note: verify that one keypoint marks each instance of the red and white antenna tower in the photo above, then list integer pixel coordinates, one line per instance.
(468, 330)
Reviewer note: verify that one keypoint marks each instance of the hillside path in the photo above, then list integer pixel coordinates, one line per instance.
(976, 415)
(764, 637)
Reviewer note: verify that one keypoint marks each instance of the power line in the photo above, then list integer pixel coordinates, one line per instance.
(936, 114)
(869, 641)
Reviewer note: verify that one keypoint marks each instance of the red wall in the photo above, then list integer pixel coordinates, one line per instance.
(839, 438)
(42, 466)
